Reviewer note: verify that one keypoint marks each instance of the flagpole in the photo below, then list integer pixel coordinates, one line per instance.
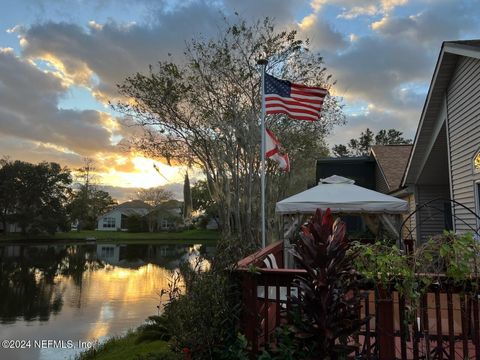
(263, 63)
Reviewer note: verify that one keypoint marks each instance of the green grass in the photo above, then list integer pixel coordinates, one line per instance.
(125, 348)
(204, 236)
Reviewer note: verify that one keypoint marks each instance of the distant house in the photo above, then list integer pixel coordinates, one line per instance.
(10, 228)
(165, 216)
(116, 219)
(445, 160)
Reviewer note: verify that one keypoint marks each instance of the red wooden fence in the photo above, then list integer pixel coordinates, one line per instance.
(444, 326)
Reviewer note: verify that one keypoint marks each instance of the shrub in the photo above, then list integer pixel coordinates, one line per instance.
(204, 317)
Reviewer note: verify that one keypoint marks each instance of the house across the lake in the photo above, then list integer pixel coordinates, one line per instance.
(166, 216)
(116, 219)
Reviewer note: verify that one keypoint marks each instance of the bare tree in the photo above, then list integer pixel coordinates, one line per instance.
(154, 196)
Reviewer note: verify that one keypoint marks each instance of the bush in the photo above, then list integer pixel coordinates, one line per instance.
(204, 319)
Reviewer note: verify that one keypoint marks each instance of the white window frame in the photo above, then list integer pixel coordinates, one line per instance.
(109, 222)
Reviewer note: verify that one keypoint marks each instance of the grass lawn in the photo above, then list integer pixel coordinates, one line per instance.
(203, 236)
(125, 348)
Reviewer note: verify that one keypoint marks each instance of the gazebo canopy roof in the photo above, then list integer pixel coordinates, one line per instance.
(341, 195)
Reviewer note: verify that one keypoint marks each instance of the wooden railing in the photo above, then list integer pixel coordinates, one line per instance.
(444, 326)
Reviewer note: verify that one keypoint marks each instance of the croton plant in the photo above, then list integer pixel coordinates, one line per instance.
(329, 299)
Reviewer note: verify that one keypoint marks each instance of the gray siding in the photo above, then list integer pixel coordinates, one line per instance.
(464, 132)
(431, 219)
(380, 183)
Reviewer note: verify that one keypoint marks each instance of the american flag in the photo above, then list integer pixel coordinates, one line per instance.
(299, 102)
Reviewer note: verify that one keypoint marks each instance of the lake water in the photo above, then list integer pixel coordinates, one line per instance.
(68, 293)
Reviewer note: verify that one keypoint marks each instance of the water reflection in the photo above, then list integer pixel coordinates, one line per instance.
(82, 292)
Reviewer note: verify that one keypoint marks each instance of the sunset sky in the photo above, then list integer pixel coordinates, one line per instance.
(60, 62)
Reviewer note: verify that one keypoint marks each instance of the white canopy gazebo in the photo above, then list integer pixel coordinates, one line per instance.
(341, 195)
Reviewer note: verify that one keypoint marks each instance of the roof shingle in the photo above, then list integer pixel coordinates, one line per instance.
(392, 160)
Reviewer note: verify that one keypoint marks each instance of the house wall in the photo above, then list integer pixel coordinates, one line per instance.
(430, 220)
(117, 215)
(463, 102)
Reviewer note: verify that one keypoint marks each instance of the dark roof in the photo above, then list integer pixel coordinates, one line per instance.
(169, 204)
(133, 204)
(392, 160)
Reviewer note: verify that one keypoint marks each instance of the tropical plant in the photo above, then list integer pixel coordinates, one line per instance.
(329, 293)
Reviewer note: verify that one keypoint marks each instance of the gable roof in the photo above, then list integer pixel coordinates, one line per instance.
(133, 204)
(392, 161)
(129, 208)
(446, 63)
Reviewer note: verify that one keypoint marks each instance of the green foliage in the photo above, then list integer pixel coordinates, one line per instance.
(87, 204)
(128, 348)
(204, 319)
(154, 329)
(202, 201)
(449, 258)
(202, 315)
(387, 266)
(236, 351)
(361, 146)
(34, 196)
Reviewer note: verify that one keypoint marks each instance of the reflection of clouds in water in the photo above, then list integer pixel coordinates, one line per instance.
(99, 299)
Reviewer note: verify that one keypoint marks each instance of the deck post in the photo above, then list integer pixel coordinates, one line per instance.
(249, 315)
(385, 325)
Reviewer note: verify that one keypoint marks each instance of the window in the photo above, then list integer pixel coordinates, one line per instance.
(107, 252)
(164, 224)
(109, 222)
(476, 162)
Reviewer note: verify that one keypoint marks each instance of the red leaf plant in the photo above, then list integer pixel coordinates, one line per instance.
(329, 296)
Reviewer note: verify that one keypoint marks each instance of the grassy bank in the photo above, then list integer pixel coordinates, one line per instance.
(187, 236)
(126, 348)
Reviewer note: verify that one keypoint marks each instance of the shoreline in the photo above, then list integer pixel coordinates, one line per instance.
(93, 237)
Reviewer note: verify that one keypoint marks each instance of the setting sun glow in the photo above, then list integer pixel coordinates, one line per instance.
(144, 174)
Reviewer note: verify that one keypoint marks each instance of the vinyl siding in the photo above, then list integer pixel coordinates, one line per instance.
(432, 218)
(464, 131)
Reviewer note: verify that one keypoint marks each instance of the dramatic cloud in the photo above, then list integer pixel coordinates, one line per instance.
(351, 9)
(321, 34)
(381, 52)
(29, 110)
(390, 69)
(113, 51)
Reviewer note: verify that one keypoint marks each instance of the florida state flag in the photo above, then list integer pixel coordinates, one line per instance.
(272, 151)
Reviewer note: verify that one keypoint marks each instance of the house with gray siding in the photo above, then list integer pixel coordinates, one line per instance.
(445, 160)
(116, 219)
